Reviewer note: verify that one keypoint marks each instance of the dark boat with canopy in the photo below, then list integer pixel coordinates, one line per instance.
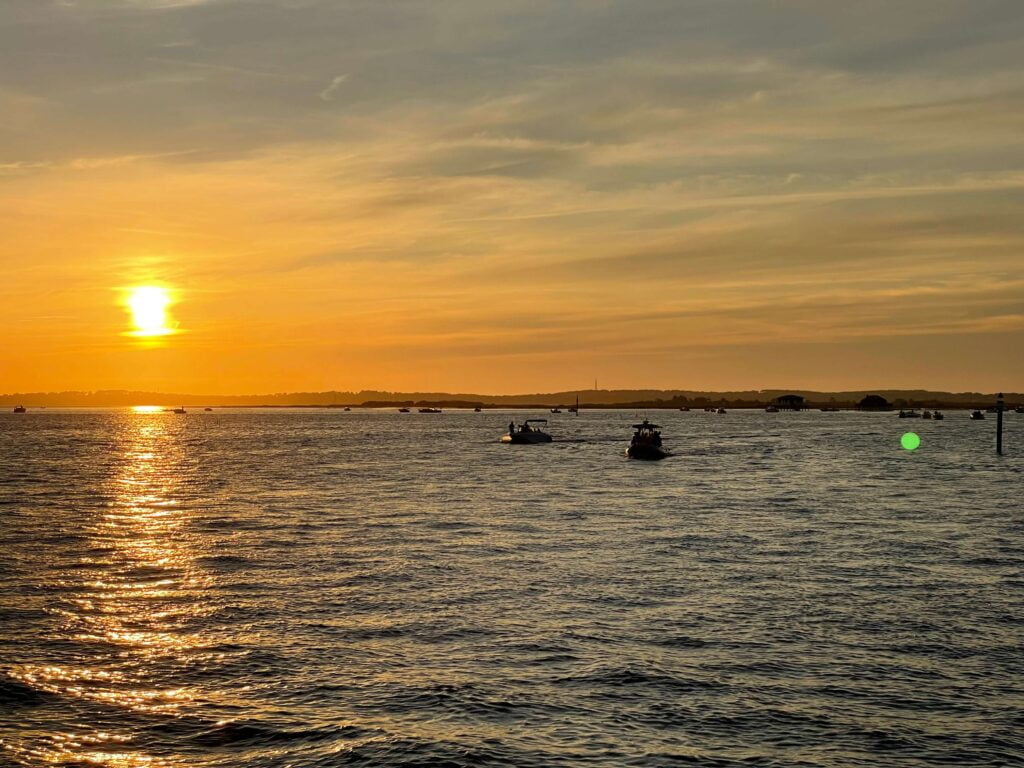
(646, 443)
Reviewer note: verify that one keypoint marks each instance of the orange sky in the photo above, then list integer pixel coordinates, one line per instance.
(447, 196)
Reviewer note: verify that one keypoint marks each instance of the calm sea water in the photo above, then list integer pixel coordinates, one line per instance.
(320, 588)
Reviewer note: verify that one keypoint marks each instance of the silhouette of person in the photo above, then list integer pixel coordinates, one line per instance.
(511, 427)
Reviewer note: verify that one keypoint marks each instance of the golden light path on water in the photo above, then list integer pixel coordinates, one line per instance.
(132, 597)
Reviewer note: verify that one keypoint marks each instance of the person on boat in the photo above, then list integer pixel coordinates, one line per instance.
(511, 427)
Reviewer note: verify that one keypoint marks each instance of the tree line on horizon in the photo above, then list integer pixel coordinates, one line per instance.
(614, 398)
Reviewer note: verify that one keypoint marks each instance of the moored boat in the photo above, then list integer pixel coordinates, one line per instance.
(938, 416)
(911, 414)
(526, 433)
(556, 409)
(721, 410)
(430, 410)
(646, 443)
(20, 409)
(977, 416)
(771, 409)
(403, 410)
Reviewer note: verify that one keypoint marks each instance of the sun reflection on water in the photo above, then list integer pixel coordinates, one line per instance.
(130, 602)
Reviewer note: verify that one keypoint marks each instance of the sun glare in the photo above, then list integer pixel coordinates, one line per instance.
(148, 306)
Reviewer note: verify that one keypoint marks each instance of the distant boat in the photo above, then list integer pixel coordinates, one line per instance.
(709, 410)
(430, 410)
(575, 408)
(830, 409)
(771, 409)
(938, 416)
(911, 414)
(346, 408)
(403, 410)
(526, 434)
(207, 409)
(926, 415)
(684, 409)
(180, 410)
(977, 416)
(556, 409)
(20, 409)
(721, 410)
(646, 443)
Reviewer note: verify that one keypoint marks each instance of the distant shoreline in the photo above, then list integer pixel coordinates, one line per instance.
(588, 399)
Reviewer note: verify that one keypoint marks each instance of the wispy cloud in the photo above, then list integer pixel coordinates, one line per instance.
(327, 94)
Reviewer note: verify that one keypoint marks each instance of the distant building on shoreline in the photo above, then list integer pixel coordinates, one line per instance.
(874, 403)
(789, 403)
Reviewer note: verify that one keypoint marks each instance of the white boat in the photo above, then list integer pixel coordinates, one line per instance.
(526, 434)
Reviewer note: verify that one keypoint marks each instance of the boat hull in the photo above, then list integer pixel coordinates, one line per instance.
(532, 438)
(646, 452)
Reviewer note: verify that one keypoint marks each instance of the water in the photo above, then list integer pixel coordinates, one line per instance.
(320, 588)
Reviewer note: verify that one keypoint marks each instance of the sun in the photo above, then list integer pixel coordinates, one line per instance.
(148, 307)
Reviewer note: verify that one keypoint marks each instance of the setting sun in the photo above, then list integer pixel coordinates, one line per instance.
(148, 306)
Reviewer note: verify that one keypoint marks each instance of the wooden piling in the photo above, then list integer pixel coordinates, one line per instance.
(999, 424)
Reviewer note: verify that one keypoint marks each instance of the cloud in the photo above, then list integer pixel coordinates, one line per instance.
(327, 94)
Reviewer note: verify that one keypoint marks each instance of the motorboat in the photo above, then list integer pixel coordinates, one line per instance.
(938, 416)
(430, 410)
(977, 416)
(20, 409)
(403, 410)
(926, 415)
(526, 433)
(208, 409)
(556, 409)
(911, 414)
(771, 409)
(346, 408)
(685, 409)
(721, 410)
(478, 409)
(179, 410)
(646, 443)
(830, 409)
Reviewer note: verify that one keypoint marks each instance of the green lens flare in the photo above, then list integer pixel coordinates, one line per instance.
(910, 441)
